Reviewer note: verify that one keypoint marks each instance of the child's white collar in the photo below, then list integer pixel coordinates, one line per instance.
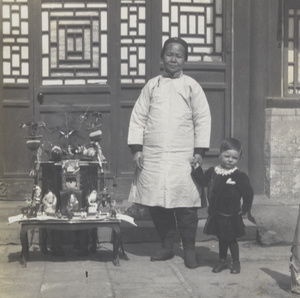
(221, 171)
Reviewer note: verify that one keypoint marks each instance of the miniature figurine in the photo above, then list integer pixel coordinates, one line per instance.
(83, 213)
(105, 197)
(33, 203)
(72, 204)
(113, 212)
(50, 202)
(37, 196)
(58, 214)
(92, 202)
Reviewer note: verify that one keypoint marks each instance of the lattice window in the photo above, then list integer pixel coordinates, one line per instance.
(74, 42)
(200, 23)
(292, 45)
(133, 41)
(15, 41)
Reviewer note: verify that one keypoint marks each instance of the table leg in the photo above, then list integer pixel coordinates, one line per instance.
(25, 246)
(43, 240)
(116, 246)
(94, 239)
(125, 257)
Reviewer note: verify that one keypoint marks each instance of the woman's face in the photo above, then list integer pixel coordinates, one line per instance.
(229, 159)
(173, 58)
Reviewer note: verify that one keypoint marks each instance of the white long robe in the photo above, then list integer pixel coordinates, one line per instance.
(170, 118)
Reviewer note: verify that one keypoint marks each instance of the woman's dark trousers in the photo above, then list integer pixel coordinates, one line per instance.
(166, 222)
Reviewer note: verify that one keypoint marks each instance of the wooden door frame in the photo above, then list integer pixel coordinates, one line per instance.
(112, 86)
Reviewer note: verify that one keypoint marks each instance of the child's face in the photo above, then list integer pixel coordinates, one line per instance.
(229, 159)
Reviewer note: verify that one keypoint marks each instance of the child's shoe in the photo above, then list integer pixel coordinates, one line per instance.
(221, 265)
(235, 268)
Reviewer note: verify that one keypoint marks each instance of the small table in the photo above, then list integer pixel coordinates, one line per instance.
(76, 223)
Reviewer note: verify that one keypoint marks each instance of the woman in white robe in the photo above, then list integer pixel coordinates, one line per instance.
(169, 133)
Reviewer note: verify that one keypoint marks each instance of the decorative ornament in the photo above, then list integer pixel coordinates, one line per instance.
(56, 153)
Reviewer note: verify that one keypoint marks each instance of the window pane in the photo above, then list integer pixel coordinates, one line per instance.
(78, 50)
(200, 23)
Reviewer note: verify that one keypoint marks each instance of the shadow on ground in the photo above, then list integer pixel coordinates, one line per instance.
(282, 280)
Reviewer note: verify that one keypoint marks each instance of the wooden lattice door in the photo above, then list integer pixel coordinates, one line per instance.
(74, 71)
(63, 58)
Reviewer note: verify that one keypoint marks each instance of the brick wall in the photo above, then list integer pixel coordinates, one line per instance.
(282, 154)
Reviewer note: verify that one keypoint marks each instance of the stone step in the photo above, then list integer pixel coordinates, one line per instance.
(144, 232)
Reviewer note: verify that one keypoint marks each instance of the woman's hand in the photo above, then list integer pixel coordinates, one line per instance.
(197, 161)
(138, 159)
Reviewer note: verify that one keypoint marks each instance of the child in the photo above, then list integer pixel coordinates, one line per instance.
(226, 185)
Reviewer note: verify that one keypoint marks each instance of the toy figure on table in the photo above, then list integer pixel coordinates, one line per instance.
(72, 206)
(35, 202)
(49, 203)
(113, 212)
(37, 196)
(107, 201)
(105, 197)
(93, 202)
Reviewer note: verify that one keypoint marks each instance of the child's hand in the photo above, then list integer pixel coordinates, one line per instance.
(197, 161)
(245, 215)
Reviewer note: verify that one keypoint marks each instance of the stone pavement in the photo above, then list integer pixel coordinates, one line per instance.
(264, 254)
(265, 273)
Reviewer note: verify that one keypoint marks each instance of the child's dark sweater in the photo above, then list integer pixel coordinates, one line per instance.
(225, 191)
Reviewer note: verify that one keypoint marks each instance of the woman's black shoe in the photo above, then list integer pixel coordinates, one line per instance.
(236, 267)
(222, 265)
(162, 255)
(190, 260)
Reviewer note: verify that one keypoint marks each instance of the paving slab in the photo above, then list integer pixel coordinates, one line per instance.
(265, 273)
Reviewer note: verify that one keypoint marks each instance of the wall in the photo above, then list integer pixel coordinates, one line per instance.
(258, 89)
(282, 154)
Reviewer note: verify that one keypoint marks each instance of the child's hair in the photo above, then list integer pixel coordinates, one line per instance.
(231, 144)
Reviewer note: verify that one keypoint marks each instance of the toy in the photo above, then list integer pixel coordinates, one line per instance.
(83, 213)
(92, 202)
(72, 206)
(105, 197)
(113, 212)
(50, 202)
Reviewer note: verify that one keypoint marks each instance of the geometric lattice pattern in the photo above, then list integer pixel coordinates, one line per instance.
(74, 42)
(15, 39)
(292, 40)
(200, 23)
(133, 41)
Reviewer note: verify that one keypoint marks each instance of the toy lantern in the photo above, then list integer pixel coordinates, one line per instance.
(96, 136)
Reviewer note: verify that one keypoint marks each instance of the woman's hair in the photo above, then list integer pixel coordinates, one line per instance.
(231, 144)
(175, 40)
